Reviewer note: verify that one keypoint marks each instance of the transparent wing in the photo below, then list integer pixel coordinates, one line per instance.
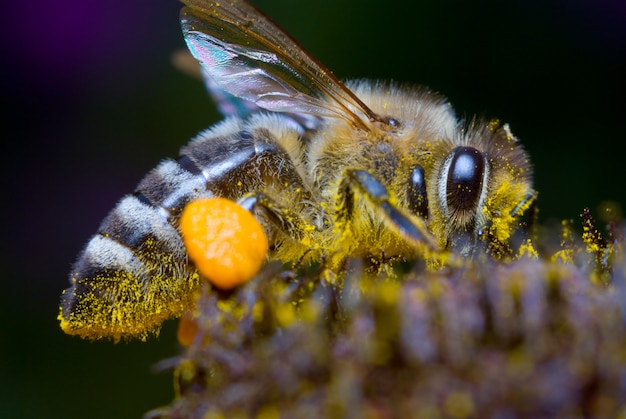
(248, 56)
(230, 105)
(227, 104)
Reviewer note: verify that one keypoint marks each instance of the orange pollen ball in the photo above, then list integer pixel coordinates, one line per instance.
(187, 330)
(225, 241)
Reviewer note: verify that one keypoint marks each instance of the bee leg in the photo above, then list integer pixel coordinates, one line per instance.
(529, 201)
(283, 218)
(412, 229)
(528, 223)
(488, 241)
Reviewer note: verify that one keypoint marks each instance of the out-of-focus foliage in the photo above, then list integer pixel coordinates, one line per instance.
(534, 337)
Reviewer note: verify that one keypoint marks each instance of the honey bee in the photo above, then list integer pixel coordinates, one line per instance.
(363, 169)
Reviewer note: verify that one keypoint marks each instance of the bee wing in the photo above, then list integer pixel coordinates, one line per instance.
(249, 57)
(230, 105)
(227, 104)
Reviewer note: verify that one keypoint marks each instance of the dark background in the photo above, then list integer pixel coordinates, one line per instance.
(91, 103)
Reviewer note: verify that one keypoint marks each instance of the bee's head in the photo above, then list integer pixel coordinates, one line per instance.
(481, 184)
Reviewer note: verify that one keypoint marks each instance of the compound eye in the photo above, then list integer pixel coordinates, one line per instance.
(417, 198)
(465, 179)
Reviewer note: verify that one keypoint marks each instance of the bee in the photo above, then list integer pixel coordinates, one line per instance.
(362, 169)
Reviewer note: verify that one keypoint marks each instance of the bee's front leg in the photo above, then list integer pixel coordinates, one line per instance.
(410, 228)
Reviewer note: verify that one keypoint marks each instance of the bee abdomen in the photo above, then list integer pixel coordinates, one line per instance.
(131, 276)
(171, 185)
(134, 273)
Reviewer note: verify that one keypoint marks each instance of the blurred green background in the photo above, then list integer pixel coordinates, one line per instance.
(92, 103)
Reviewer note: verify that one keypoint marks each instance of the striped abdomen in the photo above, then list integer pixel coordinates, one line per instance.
(134, 273)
